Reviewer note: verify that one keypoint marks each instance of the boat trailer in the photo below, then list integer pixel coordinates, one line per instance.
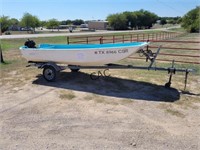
(51, 69)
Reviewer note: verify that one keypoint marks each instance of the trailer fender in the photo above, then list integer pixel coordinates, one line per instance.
(52, 64)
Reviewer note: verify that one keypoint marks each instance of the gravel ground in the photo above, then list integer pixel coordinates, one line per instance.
(71, 114)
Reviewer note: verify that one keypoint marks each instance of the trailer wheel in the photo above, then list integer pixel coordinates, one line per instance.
(75, 70)
(49, 73)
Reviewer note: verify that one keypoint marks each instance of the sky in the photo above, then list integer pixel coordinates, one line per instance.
(92, 9)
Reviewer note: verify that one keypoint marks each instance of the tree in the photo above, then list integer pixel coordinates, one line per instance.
(171, 21)
(30, 21)
(78, 22)
(2, 60)
(163, 21)
(4, 24)
(14, 21)
(137, 19)
(191, 21)
(145, 19)
(52, 23)
(68, 22)
(179, 21)
(43, 23)
(131, 19)
(14, 24)
(117, 21)
(63, 22)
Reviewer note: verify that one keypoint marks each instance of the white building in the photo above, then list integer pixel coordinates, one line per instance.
(98, 25)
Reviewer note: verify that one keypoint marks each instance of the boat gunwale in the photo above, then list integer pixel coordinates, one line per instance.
(116, 45)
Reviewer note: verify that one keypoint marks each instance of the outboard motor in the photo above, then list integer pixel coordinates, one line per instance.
(30, 44)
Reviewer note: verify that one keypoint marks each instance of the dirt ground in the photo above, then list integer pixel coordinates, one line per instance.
(130, 109)
(76, 112)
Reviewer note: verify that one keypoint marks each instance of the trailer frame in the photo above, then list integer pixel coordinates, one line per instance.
(51, 69)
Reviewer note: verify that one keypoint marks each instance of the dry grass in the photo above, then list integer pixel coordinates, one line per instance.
(99, 99)
(175, 112)
(14, 73)
(187, 102)
(170, 109)
(107, 100)
(66, 94)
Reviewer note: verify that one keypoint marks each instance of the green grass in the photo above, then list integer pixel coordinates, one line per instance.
(12, 64)
(178, 29)
(37, 32)
(9, 44)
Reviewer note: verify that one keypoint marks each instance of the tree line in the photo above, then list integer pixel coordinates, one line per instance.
(141, 19)
(132, 20)
(30, 22)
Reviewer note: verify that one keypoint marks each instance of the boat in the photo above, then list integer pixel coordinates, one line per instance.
(90, 56)
(81, 54)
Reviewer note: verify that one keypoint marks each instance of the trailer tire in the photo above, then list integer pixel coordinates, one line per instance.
(75, 70)
(49, 73)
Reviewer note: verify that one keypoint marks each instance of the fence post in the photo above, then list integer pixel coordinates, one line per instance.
(123, 38)
(143, 37)
(87, 40)
(156, 36)
(131, 38)
(67, 39)
(160, 35)
(113, 38)
(101, 40)
(163, 35)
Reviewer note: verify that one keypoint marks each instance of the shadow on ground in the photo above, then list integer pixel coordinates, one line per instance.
(112, 86)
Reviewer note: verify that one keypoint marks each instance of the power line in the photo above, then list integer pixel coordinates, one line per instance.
(170, 7)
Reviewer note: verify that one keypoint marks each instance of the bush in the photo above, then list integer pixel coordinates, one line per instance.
(191, 21)
(7, 33)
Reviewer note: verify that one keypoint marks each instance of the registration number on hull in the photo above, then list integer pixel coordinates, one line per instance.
(112, 51)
